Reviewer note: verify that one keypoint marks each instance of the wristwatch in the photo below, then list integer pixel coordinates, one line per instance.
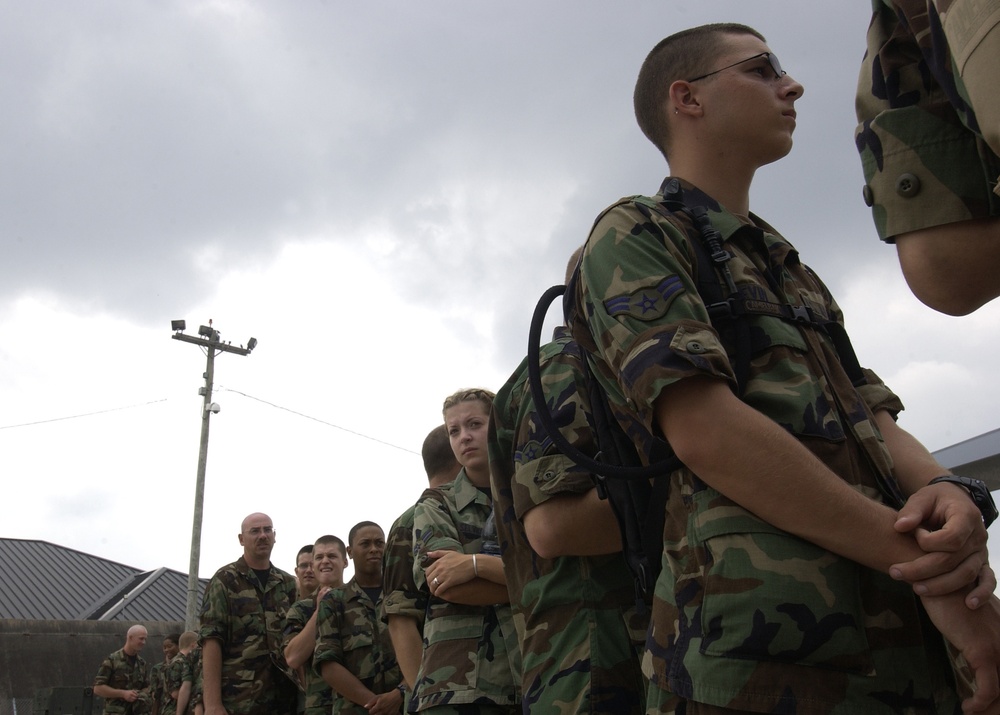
(979, 492)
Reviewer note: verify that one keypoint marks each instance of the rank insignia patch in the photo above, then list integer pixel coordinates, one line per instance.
(646, 303)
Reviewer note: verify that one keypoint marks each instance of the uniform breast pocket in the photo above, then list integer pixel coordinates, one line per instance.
(784, 383)
(357, 639)
(774, 597)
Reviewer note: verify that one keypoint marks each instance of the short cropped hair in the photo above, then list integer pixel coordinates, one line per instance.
(307, 549)
(438, 456)
(684, 54)
(331, 539)
(358, 527)
(475, 394)
(187, 639)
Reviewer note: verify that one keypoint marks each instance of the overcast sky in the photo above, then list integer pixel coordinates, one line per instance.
(378, 192)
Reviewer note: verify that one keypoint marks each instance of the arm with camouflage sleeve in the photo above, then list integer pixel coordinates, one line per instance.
(182, 677)
(403, 603)
(555, 499)
(328, 658)
(784, 484)
(744, 454)
(941, 517)
(102, 687)
(436, 539)
(213, 634)
(930, 163)
(300, 631)
(730, 445)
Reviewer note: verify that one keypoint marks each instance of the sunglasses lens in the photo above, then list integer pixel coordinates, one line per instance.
(775, 65)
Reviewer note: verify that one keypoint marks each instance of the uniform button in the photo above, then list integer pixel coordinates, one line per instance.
(907, 186)
(868, 196)
(695, 347)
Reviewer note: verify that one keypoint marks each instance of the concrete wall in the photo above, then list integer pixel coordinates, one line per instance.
(44, 654)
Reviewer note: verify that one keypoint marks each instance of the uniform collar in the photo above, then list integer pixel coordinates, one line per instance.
(466, 492)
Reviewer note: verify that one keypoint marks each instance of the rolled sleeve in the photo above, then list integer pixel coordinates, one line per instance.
(400, 595)
(547, 477)
(433, 530)
(645, 317)
(924, 159)
(214, 613)
(295, 620)
(878, 396)
(104, 672)
(328, 620)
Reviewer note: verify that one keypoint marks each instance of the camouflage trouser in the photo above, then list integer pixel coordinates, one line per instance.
(140, 707)
(473, 709)
(663, 702)
(973, 31)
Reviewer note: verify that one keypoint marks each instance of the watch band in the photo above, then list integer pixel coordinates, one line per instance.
(978, 492)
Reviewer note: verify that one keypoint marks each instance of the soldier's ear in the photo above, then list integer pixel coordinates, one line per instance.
(683, 99)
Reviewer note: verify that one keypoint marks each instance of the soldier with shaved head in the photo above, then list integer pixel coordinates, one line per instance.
(123, 678)
(242, 616)
(806, 537)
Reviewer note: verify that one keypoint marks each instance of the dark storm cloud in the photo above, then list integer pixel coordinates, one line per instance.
(141, 136)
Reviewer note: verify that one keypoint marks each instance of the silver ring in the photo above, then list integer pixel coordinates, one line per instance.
(436, 582)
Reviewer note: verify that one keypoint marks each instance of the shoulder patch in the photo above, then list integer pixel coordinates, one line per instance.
(646, 303)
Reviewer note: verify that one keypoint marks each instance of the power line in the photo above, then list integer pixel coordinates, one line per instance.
(323, 422)
(85, 414)
(226, 389)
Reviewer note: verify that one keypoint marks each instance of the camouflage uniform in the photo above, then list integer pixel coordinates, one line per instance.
(156, 686)
(576, 623)
(174, 676)
(471, 654)
(194, 662)
(929, 113)
(319, 696)
(350, 632)
(123, 672)
(248, 620)
(746, 616)
(400, 595)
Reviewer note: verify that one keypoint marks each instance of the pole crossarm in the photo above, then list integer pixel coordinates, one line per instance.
(212, 344)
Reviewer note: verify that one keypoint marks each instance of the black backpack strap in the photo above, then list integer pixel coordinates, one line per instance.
(726, 310)
(636, 496)
(607, 465)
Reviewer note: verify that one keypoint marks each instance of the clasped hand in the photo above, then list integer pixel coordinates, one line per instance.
(947, 525)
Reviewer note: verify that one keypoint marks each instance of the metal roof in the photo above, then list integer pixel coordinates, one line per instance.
(971, 450)
(978, 457)
(43, 581)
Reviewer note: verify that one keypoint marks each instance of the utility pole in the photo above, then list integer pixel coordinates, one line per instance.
(209, 340)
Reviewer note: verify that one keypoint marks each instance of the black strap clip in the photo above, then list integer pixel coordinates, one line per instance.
(801, 313)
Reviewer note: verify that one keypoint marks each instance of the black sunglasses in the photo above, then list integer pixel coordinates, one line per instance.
(771, 59)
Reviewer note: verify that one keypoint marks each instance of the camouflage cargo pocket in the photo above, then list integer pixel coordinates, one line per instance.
(771, 596)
